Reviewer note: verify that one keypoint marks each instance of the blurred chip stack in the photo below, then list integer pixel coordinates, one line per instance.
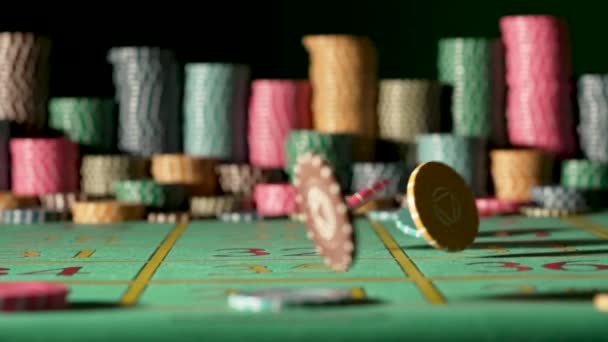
(43, 166)
(593, 111)
(275, 108)
(196, 174)
(335, 148)
(538, 70)
(467, 65)
(406, 108)
(466, 155)
(85, 120)
(343, 74)
(516, 171)
(5, 158)
(215, 111)
(24, 77)
(147, 91)
(100, 172)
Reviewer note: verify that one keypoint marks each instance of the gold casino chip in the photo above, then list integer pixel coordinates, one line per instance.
(442, 206)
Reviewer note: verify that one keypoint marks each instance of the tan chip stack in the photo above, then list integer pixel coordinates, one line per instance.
(104, 212)
(198, 174)
(24, 77)
(515, 172)
(100, 172)
(406, 108)
(212, 206)
(343, 75)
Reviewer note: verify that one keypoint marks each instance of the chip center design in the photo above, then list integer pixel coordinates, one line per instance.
(446, 206)
(321, 212)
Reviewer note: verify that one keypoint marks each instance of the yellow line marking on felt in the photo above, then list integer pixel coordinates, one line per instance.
(425, 285)
(587, 225)
(84, 254)
(144, 276)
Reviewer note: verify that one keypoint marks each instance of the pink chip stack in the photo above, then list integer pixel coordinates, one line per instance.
(274, 200)
(275, 108)
(538, 66)
(43, 166)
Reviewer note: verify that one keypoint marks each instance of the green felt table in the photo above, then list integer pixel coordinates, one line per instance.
(523, 278)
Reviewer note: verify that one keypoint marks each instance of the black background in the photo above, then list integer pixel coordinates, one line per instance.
(267, 34)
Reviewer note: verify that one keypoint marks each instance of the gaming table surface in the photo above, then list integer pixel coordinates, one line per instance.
(523, 278)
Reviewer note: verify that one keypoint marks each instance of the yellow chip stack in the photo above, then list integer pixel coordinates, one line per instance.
(515, 172)
(197, 173)
(343, 75)
(103, 212)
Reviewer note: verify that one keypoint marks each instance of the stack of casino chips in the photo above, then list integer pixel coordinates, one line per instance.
(584, 174)
(147, 91)
(215, 111)
(150, 194)
(106, 211)
(365, 174)
(538, 70)
(274, 200)
(516, 171)
(275, 108)
(24, 77)
(100, 172)
(5, 159)
(197, 174)
(466, 155)
(406, 108)
(468, 66)
(335, 148)
(593, 113)
(43, 166)
(343, 75)
(87, 121)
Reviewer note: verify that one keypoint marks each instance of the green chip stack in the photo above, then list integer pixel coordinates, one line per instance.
(150, 193)
(86, 121)
(215, 108)
(336, 148)
(466, 64)
(584, 174)
(466, 155)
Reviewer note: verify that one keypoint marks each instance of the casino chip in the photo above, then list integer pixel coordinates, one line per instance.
(442, 205)
(32, 295)
(549, 212)
(490, 206)
(171, 217)
(277, 299)
(600, 301)
(239, 216)
(559, 197)
(328, 221)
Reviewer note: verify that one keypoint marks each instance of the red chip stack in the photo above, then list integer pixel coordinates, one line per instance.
(273, 200)
(43, 166)
(275, 108)
(538, 66)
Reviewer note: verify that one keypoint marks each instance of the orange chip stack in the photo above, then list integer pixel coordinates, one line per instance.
(9, 201)
(197, 173)
(102, 212)
(343, 75)
(515, 172)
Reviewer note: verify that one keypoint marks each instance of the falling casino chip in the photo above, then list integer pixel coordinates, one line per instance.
(327, 217)
(442, 205)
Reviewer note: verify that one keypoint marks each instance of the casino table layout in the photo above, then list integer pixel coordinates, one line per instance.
(523, 278)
